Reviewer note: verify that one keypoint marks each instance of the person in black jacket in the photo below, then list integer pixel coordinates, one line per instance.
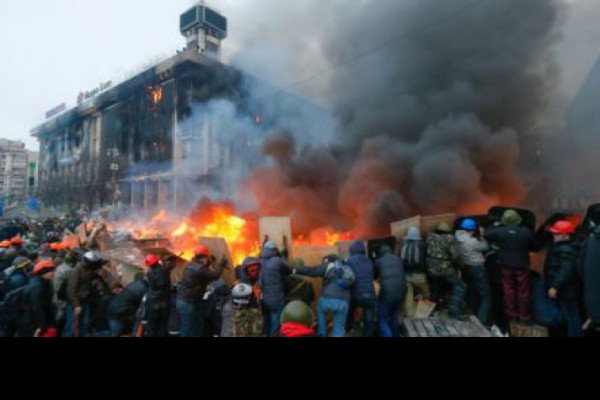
(39, 294)
(561, 278)
(122, 310)
(514, 243)
(591, 276)
(158, 305)
(363, 292)
(390, 271)
(196, 277)
(274, 270)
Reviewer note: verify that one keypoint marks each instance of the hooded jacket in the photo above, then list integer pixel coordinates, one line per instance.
(514, 245)
(591, 275)
(470, 249)
(272, 275)
(363, 289)
(195, 281)
(39, 296)
(390, 270)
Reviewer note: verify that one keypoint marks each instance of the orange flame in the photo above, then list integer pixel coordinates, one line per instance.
(219, 221)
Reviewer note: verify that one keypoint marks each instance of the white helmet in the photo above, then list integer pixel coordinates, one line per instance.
(242, 291)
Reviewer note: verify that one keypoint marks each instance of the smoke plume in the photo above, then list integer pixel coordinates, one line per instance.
(433, 116)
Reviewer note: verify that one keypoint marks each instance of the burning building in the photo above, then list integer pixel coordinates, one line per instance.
(147, 141)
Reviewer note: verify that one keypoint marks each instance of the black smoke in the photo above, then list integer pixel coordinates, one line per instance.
(439, 110)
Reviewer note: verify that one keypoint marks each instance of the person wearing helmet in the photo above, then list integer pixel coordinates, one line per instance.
(17, 244)
(83, 293)
(158, 303)
(297, 321)
(471, 254)
(274, 270)
(39, 298)
(442, 259)
(514, 242)
(196, 277)
(16, 276)
(247, 317)
(8, 258)
(561, 277)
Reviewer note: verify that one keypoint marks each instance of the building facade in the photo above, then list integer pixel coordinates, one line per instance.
(146, 142)
(13, 171)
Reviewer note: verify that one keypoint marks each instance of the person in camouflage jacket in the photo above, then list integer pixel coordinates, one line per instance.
(442, 255)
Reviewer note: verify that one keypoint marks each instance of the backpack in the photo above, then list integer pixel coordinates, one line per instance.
(341, 274)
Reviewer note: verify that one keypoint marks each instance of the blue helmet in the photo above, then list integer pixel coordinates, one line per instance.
(469, 225)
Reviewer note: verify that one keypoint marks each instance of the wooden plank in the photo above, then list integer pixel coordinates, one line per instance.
(441, 328)
(411, 331)
(81, 233)
(313, 255)
(218, 248)
(275, 229)
(481, 330)
(431, 331)
(343, 249)
(428, 224)
(463, 329)
(420, 328)
(518, 330)
(152, 243)
(449, 325)
(400, 228)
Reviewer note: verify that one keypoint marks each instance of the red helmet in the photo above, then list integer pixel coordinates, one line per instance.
(16, 241)
(202, 251)
(152, 260)
(43, 267)
(563, 228)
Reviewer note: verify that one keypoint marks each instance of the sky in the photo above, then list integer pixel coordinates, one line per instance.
(50, 51)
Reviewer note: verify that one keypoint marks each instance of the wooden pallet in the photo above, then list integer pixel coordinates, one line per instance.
(442, 326)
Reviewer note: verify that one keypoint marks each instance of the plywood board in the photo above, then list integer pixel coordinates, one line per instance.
(429, 224)
(152, 243)
(313, 255)
(343, 249)
(81, 232)
(400, 228)
(71, 241)
(518, 330)
(218, 248)
(275, 229)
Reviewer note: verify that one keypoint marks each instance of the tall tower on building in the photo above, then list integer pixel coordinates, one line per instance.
(204, 28)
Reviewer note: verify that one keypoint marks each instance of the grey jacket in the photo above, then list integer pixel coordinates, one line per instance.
(471, 249)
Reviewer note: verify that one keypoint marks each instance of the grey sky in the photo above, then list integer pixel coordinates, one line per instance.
(52, 50)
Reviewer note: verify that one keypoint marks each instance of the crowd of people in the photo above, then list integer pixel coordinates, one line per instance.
(49, 289)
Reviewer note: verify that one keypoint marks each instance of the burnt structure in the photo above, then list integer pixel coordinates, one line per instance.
(149, 140)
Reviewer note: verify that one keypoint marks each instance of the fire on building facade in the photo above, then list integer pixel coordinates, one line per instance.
(142, 142)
